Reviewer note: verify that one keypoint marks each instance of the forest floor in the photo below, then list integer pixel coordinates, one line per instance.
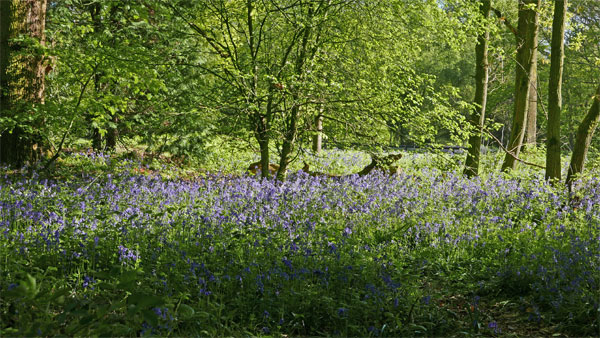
(106, 247)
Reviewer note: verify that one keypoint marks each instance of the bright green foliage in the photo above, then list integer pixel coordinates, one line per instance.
(582, 68)
(386, 78)
(170, 76)
(116, 69)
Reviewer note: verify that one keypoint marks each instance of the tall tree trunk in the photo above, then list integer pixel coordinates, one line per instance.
(318, 137)
(260, 122)
(261, 133)
(557, 53)
(477, 117)
(95, 131)
(526, 32)
(96, 139)
(531, 132)
(584, 138)
(9, 150)
(22, 79)
(95, 13)
(291, 132)
(531, 129)
(112, 130)
(5, 17)
(112, 134)
(263, 144)
(289, 139)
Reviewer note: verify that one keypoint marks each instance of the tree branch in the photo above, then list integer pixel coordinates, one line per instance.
(504, 20)
(62, 141)
(509, 153)
(220, 49)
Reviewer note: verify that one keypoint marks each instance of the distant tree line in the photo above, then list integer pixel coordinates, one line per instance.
(285, 75)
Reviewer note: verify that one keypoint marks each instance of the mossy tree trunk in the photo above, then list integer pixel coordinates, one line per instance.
(22, 75)
(584, 138)
(5, 11)
(318, 136)
(553, 166)
(526, 36)
(531, 131)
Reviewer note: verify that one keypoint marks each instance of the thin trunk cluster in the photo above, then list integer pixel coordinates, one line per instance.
(274, 86)
(526, 37)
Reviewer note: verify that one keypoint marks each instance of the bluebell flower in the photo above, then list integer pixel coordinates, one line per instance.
(494, 327)
(87, 282)
(287, 263)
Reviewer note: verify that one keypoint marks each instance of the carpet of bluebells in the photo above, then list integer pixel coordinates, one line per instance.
(425, 253)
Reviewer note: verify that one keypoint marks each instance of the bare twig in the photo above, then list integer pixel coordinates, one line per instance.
(62, 141)
(511, 154)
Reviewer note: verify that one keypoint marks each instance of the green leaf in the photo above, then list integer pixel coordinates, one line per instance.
(185, 311)
(59, 293)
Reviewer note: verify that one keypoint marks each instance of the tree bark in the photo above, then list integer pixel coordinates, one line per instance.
(95, 13)
(584, 138)
(531, 132)
(553, 166)
(318, 137)
(112, 134)
(477, 117)
(291, 132)
(5, 17)
(261, 133)
(526, 33)
(22, 79)
(259, 122)
(288, 140)
(96, 139)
